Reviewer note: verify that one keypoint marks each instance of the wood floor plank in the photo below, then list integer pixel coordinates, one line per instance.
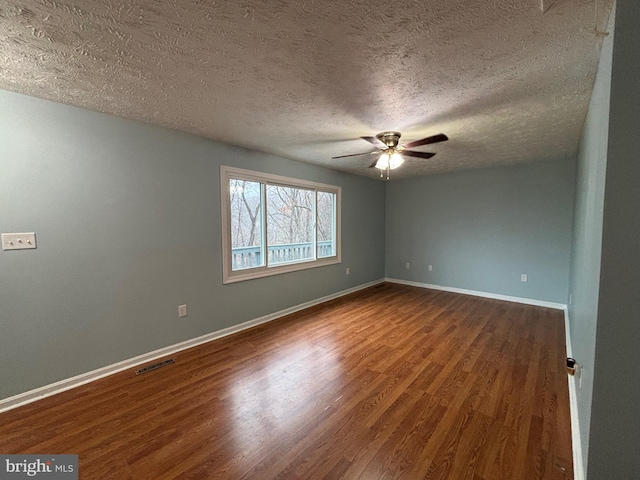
(389, 382)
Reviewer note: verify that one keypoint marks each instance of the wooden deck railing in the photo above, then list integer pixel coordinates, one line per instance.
(247, 257)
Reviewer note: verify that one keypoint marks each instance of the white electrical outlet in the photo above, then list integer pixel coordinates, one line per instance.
(18, 241)
(182, 310)
(348, 271)
(524, 277)
(408, 265)
(430, 267)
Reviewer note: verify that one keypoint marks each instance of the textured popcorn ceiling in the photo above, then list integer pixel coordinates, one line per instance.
(304, 79)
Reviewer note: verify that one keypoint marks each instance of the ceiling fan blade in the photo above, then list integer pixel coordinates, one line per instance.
(374, 163)
(409, 153)
(376, 141)
(352, 155)
(441, 137)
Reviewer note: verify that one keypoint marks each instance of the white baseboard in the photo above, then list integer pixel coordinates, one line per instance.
(578, 466)
(494, 296)
(82, 379)
(576, 442)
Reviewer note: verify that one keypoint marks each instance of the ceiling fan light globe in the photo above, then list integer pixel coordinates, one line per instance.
(383, 161)
(395, 160)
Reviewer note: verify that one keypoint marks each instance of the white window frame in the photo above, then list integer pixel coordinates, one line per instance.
(228, 274)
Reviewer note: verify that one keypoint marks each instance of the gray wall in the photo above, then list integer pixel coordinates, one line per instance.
(614, 450)
(481, 229)
(127, 218)
(587, 236)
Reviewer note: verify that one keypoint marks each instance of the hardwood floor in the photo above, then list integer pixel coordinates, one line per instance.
(390, 382)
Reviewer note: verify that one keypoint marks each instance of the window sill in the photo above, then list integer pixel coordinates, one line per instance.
(261, 272)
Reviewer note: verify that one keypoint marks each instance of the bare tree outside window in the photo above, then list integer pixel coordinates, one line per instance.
(275, 224)
(246, 223)
(290, 223)
(325, 224)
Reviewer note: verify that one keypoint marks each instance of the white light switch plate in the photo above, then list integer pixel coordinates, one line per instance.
(18, 241)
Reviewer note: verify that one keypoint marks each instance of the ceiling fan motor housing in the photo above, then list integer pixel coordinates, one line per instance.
(390, 139)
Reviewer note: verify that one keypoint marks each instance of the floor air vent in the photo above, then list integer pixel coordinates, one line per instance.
(154, 366)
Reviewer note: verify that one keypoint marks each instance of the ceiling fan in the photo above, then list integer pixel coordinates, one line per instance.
(391, 152)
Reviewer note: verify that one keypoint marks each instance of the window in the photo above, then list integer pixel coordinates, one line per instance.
(273, 224)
